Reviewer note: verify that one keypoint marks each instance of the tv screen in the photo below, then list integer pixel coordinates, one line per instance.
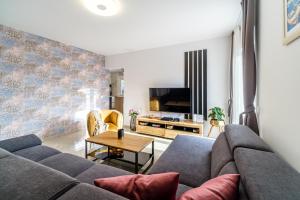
(170, 100)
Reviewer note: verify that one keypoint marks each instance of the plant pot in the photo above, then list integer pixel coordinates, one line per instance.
(133, 123)
(214, 122)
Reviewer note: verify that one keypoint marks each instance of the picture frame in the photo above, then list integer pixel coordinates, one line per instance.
(291, 20)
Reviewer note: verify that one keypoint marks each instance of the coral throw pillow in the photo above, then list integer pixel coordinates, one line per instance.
(142, 187)
(224, 187)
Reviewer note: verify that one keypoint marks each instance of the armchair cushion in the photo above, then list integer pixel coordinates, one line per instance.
(112, 117)
(111, 127)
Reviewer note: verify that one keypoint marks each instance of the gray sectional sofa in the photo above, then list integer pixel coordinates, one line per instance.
(30, 170)
(264, 175)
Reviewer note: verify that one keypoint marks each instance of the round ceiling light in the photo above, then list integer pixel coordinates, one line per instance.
(103, 7)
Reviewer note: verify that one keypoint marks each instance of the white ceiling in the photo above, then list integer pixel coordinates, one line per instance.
(141, 24)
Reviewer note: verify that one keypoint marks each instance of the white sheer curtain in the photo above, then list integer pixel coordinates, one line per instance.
(237, 76)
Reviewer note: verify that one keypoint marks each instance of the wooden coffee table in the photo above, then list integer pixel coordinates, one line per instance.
(131, 143)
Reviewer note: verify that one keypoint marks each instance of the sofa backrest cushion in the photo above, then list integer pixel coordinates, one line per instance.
(221, 154)
(24, 179)
(190, 156)
(230, 168)
(242, 136)
(4, 153)
(68, 163)
(22, 142)
(37, 153)
(266, 176)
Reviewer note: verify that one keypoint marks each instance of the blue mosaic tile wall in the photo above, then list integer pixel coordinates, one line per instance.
(46, 87)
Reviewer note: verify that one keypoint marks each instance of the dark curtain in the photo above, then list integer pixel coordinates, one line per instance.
(248, 117)
(230, 101)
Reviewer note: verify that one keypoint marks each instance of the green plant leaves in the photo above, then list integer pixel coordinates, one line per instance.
(216, 113)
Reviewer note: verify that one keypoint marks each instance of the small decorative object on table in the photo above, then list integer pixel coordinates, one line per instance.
(120, 133)
(133, 114)
(216, 115)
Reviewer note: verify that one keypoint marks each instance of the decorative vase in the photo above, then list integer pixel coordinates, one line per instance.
(214, 122)
(133, 123)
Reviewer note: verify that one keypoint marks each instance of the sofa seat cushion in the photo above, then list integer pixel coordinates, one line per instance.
(220, 155)
(22, 142)
(88, 192)
(37, 153)
(100, 171)
(266, 176)
(182, 189)
(67, 163)
(22, 179)
(242, 136)
(190, 156)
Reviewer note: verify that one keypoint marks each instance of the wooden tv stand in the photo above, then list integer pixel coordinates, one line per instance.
(168, 129)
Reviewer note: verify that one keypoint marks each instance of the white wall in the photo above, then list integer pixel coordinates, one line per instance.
(279, 84)
(164, 67)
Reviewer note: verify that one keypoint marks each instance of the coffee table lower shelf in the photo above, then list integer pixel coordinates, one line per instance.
(138, 159)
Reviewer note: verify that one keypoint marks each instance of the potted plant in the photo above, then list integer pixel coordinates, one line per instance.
(133, 114)
(216, 114)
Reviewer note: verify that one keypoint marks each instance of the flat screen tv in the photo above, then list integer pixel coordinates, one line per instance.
(170, 100)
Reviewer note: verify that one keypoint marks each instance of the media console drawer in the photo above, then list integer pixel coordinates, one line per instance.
(150, 130)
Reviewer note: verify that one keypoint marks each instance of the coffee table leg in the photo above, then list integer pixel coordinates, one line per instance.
(152, 151)
(108, 152)
(86, 150)
(136, 163)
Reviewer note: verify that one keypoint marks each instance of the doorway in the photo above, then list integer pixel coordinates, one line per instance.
(117, 85)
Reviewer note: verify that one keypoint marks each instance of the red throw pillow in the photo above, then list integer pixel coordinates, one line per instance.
(220, 188)
(142, 187)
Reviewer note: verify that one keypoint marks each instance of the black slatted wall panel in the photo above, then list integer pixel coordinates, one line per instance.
(186, 69)
(195, 89)
(190, 71)
(200, 82)
(205, 84)
(195, 63)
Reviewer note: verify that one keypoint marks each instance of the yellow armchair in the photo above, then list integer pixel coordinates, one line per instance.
(105, 120)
